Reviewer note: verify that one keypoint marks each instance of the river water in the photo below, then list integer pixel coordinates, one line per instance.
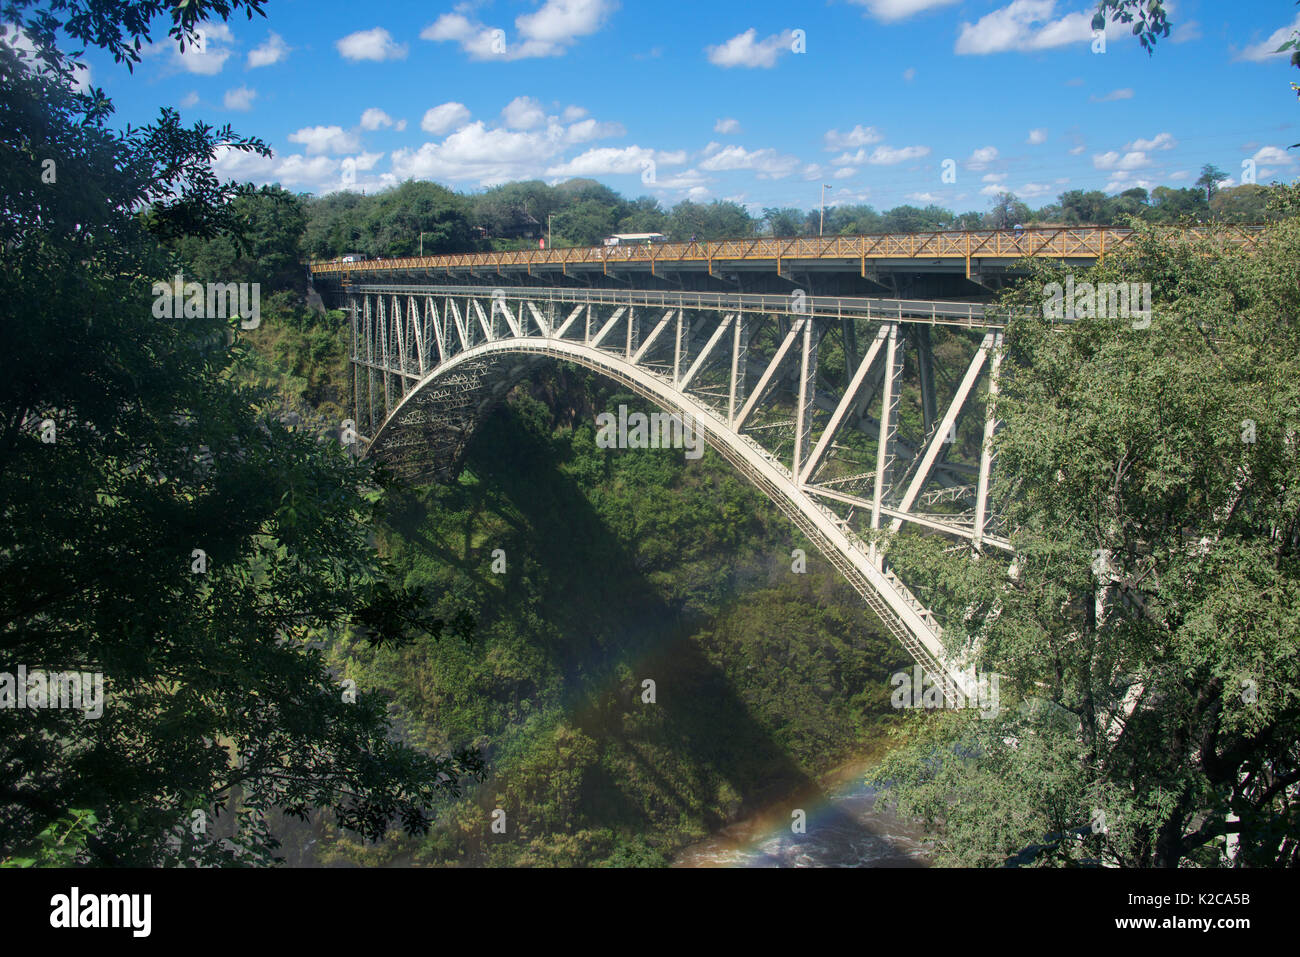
(847, 826)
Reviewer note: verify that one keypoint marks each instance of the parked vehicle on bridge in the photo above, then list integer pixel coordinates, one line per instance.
(635, 239)
(353, 258)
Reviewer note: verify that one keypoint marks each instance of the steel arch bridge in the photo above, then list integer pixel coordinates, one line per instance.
(838, 409)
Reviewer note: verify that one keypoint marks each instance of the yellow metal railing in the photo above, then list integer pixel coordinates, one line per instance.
(1056, 242)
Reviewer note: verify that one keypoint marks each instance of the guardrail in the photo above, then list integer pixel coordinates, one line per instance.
(937, 312)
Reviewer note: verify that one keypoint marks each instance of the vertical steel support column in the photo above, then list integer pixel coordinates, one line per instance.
(807, 396)
(370, 362)
(385, 359)
(739, 346)
(677, 347)
(986, 450)
(888, 422)
(356, 368)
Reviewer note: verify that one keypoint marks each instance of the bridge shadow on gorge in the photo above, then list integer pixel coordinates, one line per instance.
(697, 753)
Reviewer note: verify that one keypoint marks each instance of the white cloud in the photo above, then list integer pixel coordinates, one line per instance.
(377, 44)
(605, 161)
(523, 113)
(1123, 180)
(727, 126)
(476, 153)
(1266, 50)
(768, 163)
(888, 155)
(240, 98)
(1037, 137)
(210, 54)
(981, 157)
(320, 173)
(1272, 154)
(850, 196)
(690, 179)
(881, 156)
(587, 130)
(854, 138)
(1034, 190)
(271, 52)
(190, 99)
(1161, 141)
(1185, 32)
(994, 177)
(926, 198)
(375, 118)
(572, 114)
(909, 74)
(548, 31)
(1026, 26)
(363, 161)
(1076, 150)
(845, 172)
(745, 49)
(326, 139)
(561, 22)
(1125, 93)
(1134, 159)
(444, 118)
(891, 10)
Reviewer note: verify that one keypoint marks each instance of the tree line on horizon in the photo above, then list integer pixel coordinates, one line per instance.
(425, 216)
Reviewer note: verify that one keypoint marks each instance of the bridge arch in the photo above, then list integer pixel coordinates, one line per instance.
(494, 368)
(436, 360)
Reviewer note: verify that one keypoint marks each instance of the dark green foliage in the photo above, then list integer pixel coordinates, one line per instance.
(128, 442)
(621, 566)
(1149, 639)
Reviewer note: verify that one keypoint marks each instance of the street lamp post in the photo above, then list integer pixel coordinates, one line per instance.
(422, 235)
(550, 240)
(821, 225)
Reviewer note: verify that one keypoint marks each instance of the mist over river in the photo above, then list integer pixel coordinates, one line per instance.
(848, 825)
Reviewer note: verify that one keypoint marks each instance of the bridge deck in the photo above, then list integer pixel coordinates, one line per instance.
(1081, 243)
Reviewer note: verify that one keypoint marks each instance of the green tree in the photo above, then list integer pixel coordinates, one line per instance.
(1241, 204)
(1170, 205)
(785, 222)
(586, 223)
(1007, 211)
(1148, 633)
(1086, 208)
(911, 219)
(158, 528)
(266, 246)
(644, 215)
(717, 220)
(1209, 180)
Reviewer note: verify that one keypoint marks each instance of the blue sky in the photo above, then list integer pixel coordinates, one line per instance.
(759, 102)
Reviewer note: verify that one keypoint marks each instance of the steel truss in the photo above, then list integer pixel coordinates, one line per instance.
(826, 446)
